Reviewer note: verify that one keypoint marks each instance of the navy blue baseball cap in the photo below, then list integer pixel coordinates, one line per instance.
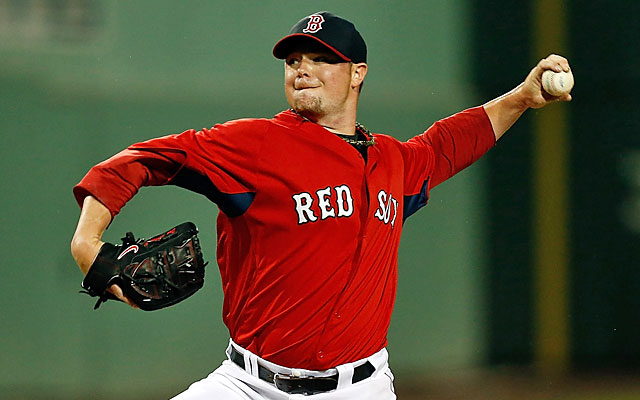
(335, 33)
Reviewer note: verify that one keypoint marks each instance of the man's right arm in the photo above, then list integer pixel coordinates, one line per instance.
(221, 156)
(87, 239)
(86, 242)
(107, 187)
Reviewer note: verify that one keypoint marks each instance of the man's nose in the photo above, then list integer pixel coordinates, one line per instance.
(305, 67)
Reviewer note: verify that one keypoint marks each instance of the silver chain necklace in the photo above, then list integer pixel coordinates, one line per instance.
(359, 128)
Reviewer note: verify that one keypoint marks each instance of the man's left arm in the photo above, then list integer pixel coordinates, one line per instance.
(455, 142)
(505, 110)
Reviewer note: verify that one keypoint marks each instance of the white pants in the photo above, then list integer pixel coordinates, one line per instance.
(231, 382)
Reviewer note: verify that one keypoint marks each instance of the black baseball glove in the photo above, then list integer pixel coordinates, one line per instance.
(154, 273)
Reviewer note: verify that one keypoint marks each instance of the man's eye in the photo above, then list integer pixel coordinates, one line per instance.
(292, 61)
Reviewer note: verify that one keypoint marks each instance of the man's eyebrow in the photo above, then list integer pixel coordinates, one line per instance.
(330, 56)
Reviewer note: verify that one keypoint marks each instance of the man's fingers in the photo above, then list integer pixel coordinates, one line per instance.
(555, 62)
(117, 291)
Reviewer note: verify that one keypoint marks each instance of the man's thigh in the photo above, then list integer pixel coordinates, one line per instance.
(233, 383)
(220, 384)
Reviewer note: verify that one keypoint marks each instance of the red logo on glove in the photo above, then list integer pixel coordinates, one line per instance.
(314, 24)
(133, 247)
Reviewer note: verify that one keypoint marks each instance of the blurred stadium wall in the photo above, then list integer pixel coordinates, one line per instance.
(564, 188)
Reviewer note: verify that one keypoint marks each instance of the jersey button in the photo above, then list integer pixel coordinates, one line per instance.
(320, 354)
(337, 315)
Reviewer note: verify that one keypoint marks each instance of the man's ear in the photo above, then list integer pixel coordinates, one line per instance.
(358, 72)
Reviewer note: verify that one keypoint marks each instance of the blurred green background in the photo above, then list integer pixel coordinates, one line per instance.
(82, 79)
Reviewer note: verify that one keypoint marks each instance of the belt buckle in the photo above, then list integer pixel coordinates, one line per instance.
(289, 383)
(296, 384)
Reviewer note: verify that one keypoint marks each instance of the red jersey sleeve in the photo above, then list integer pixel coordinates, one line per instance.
(446, 148)
(215, 162)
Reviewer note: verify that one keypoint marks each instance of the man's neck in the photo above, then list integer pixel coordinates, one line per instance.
(344, 125)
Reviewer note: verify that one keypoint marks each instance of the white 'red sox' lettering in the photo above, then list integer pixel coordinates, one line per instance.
(323, 202)
(303, 207)
(344, 195)
(328, 200)
(383, 213)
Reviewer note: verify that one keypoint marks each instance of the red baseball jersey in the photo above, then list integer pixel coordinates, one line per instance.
(308, 233)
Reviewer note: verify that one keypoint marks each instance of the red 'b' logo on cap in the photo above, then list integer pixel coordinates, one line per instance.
(314, 24)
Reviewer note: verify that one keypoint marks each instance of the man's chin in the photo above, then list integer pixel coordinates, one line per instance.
(307, 108)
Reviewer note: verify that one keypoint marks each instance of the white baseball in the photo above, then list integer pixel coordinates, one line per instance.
(557, 83)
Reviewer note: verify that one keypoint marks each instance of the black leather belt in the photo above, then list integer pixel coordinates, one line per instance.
(307, 385)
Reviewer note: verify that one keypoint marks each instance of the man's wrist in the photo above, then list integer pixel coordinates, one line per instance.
(517, 99)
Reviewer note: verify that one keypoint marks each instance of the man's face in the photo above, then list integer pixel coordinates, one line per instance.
(317, 81)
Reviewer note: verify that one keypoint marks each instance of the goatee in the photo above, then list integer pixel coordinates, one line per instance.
(308, 106)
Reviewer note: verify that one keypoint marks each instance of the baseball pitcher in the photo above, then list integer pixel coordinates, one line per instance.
(311, 212)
